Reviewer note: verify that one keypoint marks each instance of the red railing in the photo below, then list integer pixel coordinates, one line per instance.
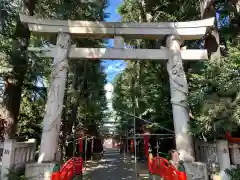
(231, 139)
(73, 166)
(161, 167)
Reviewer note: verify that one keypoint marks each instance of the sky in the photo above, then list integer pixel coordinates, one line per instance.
(113, 67)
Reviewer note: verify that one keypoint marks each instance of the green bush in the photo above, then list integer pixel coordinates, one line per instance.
(14, 174)
(233, 173)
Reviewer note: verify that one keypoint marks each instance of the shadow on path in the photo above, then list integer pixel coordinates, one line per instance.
(112, 167)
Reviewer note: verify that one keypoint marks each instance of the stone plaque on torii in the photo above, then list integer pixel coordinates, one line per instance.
(65, 30)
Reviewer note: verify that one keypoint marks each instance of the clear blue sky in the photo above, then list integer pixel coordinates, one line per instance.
(112, 68)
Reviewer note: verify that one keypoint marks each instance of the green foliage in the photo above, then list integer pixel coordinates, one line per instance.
(148, 82)
(214, 97)
(213, 86)
(14, 174)
(87, 96)
(158, 10)
(234, 173)
(150, 89)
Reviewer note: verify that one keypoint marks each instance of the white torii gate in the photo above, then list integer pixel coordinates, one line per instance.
(65, 30)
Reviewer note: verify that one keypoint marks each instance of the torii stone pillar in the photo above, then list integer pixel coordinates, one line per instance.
(54, 106)
(179, 91)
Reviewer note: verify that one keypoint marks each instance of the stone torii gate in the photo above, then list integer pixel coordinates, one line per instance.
(65, 30)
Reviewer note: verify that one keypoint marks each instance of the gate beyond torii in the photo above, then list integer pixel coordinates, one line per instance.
(65, 30)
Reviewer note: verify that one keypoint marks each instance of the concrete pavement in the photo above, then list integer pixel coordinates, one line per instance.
(114, 166)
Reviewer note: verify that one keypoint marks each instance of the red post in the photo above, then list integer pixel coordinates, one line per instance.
(146, 139)
(182, 175)
(81, 144)
(92, 145)
(55, 176)
(150, 163)
(132, 146)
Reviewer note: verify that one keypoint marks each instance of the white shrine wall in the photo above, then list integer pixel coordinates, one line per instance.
(220, 154)
(16, 154)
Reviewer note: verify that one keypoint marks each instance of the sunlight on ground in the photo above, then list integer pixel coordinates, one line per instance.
(114, 166)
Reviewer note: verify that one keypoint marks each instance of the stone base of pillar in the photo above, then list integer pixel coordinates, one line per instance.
(39, 171)
(223, 158)
(196, 170)
(155, 177)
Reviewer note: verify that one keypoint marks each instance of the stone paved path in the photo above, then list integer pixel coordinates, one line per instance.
(113, 166)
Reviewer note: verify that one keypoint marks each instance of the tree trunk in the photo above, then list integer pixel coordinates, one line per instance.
(212, 40)
(237, 21)
(238, 13)
(70, 122)
(19, 61)
(75, 103)
(236, 4)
